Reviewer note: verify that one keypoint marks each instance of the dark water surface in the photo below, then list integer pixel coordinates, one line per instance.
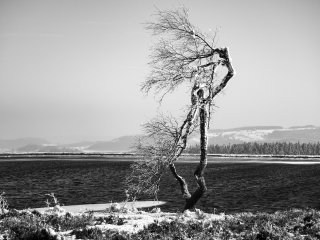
(232, 187)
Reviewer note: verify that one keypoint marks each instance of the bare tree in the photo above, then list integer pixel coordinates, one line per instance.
(183, 54)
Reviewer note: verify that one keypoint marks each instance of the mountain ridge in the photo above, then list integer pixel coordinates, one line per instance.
(302, 134)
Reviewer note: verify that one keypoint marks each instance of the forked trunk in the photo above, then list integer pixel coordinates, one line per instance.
(199, 173)
(191, 200)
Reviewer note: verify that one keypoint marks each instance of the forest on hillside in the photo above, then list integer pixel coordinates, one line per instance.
(276, 148)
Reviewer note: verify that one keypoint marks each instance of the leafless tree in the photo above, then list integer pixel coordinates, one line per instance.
(183, 54)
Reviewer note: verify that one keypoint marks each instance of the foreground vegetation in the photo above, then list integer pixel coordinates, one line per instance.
(293, 224)
(124, 222)
(277, 148)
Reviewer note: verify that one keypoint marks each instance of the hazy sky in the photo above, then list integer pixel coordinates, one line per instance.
(71, 69)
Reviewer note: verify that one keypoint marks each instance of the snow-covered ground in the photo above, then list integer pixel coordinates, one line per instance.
(134, 220)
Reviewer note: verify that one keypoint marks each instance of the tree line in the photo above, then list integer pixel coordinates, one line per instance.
(275, 148)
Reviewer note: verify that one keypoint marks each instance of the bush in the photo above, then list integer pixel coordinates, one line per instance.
(3, 204)
(34, 225)
(88, 233)
(111, 219)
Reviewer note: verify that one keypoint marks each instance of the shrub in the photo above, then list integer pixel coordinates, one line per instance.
(88, 233)
(34, 225)
(111, 219)
(3, 203)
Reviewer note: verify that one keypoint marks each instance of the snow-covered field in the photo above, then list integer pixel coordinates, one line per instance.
(133, 219)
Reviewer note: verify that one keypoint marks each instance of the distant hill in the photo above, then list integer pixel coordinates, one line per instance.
(302, 134)
(12, 144)
(80, 145)
(122, 144)
(249, 128)
(46, 149)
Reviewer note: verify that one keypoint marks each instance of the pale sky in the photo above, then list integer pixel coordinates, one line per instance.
(70, 70)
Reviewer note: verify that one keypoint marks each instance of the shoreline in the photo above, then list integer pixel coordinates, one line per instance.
(185, 158)
(132, 156)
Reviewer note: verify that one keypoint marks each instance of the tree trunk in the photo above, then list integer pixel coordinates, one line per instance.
(191, 202)
(183, 184)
